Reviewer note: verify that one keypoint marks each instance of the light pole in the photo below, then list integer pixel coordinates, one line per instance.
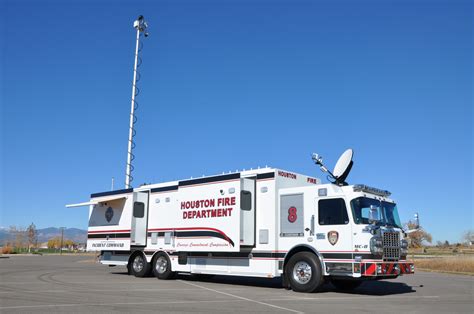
(62, 237)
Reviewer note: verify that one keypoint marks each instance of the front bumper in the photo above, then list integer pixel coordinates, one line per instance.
(387, 269)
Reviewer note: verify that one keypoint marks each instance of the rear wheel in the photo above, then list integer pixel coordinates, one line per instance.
(303, 272)
(346, 285)
(162, 266)
(138, 265)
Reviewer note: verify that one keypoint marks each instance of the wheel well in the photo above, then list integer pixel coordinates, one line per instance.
(157, 252)
(301, 248)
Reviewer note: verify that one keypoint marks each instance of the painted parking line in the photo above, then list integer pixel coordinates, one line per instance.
(241, 298)
(112, 290)
(113, 304)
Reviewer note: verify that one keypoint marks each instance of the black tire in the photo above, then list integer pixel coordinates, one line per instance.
(303, 272)
(345, 285)
(284, 282)
(162, 266)
(138, 265)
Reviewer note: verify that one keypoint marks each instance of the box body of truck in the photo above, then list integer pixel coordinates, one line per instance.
(249, 223)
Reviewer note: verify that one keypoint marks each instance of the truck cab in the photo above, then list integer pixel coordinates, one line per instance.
(351, 233)
(359, 233)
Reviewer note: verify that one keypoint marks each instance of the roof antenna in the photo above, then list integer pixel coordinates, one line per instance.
(341, 170)
(141, 26)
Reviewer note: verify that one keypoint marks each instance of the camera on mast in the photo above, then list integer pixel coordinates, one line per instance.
(141, 25)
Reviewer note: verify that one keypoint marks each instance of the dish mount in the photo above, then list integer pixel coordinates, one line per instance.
(341, 170)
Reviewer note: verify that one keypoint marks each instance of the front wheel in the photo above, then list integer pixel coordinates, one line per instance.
(303, 272)
(162, 266)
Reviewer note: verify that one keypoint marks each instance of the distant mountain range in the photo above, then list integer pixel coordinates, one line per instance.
(74, 234)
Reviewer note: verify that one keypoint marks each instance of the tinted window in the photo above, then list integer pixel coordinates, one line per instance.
(138, 210)
(245, 200)
(333, 212)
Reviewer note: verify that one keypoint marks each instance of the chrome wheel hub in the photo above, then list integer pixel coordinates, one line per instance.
(138, 264)
(302, 272)
(161, 265)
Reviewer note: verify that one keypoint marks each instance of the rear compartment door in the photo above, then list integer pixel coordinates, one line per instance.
(138, 233)
(109, 223)
(247, 211)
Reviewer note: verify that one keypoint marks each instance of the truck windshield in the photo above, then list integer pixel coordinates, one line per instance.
(388, 213)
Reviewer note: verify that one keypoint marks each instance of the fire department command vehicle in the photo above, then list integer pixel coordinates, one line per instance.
(263, 223)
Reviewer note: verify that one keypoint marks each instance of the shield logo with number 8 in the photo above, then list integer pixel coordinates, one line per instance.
(333, 236)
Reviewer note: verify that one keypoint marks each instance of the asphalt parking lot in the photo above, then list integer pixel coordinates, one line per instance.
(76, 284)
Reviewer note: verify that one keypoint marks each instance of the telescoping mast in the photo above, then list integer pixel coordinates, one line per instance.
(141, 26)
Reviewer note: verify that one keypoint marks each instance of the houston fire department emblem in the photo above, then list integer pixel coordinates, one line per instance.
(109, 213)
(333, 236)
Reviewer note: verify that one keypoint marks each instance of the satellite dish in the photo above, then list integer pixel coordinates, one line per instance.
(343, 167)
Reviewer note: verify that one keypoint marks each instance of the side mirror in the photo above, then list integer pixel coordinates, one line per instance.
(373, 214)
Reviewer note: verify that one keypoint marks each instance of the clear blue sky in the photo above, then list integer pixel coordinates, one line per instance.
(228, 85)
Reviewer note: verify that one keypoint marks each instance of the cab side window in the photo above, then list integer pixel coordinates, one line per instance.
(332, 212)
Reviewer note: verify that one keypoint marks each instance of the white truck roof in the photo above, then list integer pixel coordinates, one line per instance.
(260, 173)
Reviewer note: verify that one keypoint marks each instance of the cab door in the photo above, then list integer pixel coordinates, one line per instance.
(138, 233)
(333, 229)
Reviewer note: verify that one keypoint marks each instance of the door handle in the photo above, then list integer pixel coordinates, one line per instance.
(311, 229)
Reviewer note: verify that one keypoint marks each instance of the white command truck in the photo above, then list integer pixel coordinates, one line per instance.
(262, 223)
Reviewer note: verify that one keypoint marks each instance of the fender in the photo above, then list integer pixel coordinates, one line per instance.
(304, 247)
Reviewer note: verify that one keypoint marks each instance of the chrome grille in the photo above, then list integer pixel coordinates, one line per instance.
(391, 245)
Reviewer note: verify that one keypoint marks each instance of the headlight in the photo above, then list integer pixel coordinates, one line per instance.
(404, 244)
(376, 241)
(404, 247)
(376, 245)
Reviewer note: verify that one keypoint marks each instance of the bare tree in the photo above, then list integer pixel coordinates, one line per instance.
(418, 237)
(19, 234)
(32, 236)
(468, 237)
